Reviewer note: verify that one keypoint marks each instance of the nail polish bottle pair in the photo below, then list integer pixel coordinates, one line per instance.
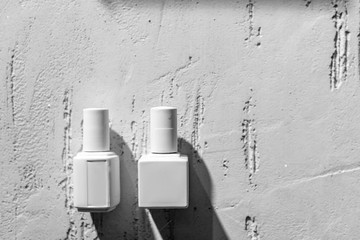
(162, 175)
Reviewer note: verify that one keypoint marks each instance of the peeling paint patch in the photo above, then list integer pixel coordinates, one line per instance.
(198, 119)
(144, 138)
(250, 147)
(251, 227)
(225, 166)
(248, 105)
(68, 164)
(10, 85)
(67, 105)
(162, 98)
(307, 3)
(171, 88)
(133, 104)
(134, 144)
(29, 180)
(10, 99)
(254, 32)
(339, 58)
(250, 8)
(249, 140)
(358, 38)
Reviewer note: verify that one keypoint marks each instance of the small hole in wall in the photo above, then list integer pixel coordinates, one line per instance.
(247, 220)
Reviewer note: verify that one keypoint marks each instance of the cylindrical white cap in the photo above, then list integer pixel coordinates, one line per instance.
(96, 136)
(163, 130)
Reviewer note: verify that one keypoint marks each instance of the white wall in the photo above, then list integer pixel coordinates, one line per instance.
(268, 100)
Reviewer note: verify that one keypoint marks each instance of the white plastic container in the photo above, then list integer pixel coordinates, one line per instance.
(163, 175)
(96, 170)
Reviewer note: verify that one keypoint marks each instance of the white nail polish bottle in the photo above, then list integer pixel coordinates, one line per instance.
(96, 169)
(163, 175)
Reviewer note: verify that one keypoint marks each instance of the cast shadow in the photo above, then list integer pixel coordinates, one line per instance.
(199, 220)
(122, 222)
(128, 221)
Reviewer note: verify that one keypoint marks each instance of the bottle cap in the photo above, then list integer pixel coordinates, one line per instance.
(96, 136)
(163, 129)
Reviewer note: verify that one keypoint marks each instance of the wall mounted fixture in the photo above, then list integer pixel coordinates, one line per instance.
(163, 175)
(96, 169)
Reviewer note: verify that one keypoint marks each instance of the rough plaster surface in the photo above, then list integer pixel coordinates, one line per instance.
(268, 100)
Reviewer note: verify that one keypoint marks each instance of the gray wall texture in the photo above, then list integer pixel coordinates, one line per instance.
(268, 109)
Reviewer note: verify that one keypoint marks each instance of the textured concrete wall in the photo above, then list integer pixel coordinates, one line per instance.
(268, 100)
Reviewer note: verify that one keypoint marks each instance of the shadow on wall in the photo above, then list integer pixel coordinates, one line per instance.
(199, 220)
(127, 221)
(122, 222)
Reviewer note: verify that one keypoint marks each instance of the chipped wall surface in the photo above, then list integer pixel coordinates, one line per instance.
(268, 109)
